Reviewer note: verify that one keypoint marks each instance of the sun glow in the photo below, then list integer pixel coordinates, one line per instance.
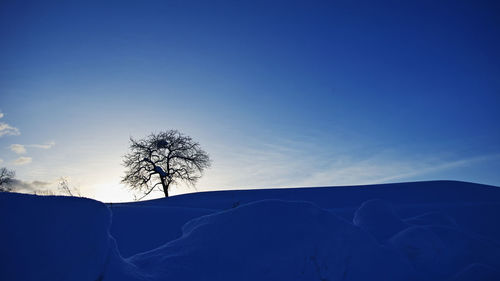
(110, 192)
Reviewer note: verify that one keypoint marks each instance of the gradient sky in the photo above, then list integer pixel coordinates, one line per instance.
(280, 93)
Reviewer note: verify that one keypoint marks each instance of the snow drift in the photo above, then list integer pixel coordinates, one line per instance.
(384, 232)
(273, 240)
(52, 238)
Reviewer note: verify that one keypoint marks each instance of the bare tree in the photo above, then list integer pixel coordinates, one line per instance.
(66, 189)
(6, 179)
(163, 159)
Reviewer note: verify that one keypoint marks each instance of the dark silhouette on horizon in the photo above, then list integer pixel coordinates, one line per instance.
(163, 159)
(6, 179)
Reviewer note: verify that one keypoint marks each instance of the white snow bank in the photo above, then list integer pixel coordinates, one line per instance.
(432, 218)
(432, 242)
(119, 269)
(439, 252)
(52, 238)
(478, 272)
(63, 238)
(273, 240)
(141, 228)
(379, 219)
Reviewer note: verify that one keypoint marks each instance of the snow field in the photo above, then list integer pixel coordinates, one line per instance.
(66, 238)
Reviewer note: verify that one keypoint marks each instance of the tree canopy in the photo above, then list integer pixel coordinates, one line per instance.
(6, 179)
(163, 159)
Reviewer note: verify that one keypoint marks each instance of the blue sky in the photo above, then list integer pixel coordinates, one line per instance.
(280, 93)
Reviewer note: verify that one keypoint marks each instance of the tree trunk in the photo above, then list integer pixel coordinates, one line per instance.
(165, 187)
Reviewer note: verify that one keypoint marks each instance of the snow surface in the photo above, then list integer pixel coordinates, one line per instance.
(52, 238)
(410, 231)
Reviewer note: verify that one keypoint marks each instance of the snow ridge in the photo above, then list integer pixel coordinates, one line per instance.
(67, 238)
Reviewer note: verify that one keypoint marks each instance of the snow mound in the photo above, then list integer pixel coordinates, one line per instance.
(119, 269)
(276, 238)
(439, 252)
(423, 248)
(477, 272)
(378, 218)
(432, 218)
(273, 240)
(141, 228)
(52, 237)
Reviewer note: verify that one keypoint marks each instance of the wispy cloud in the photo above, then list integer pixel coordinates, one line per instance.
(48, 145)
(22, 161)
(285, 164)
(263, 164)
(8, 130)
(1, 161)
(18, 148)
(29, 187)
(373, 170)
(21, 149)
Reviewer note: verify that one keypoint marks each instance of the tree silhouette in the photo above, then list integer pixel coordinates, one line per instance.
(65, 188)
(162, 159)
(6, 179)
